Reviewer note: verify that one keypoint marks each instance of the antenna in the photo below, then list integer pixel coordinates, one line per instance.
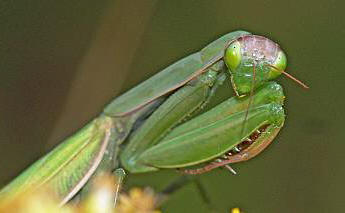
(289, 76)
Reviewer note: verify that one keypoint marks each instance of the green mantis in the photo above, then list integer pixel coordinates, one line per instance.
(146, 127)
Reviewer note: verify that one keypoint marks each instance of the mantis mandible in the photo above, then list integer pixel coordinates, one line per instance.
(151, 120)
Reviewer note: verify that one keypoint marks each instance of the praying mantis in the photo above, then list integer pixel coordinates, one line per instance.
(148, 128)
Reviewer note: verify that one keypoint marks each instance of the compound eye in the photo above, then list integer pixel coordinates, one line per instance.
(280, 63)
(233, 56)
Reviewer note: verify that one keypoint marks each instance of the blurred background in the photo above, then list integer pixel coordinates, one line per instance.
(62, 61)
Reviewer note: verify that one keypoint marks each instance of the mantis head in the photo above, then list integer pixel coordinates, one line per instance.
(253, 60)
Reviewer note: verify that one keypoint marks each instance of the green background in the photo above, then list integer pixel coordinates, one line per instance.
(62, 61)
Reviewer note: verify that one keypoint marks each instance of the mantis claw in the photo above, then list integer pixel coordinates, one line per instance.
(228, 167)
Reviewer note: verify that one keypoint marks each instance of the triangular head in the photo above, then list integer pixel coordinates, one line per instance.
(253, 52)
